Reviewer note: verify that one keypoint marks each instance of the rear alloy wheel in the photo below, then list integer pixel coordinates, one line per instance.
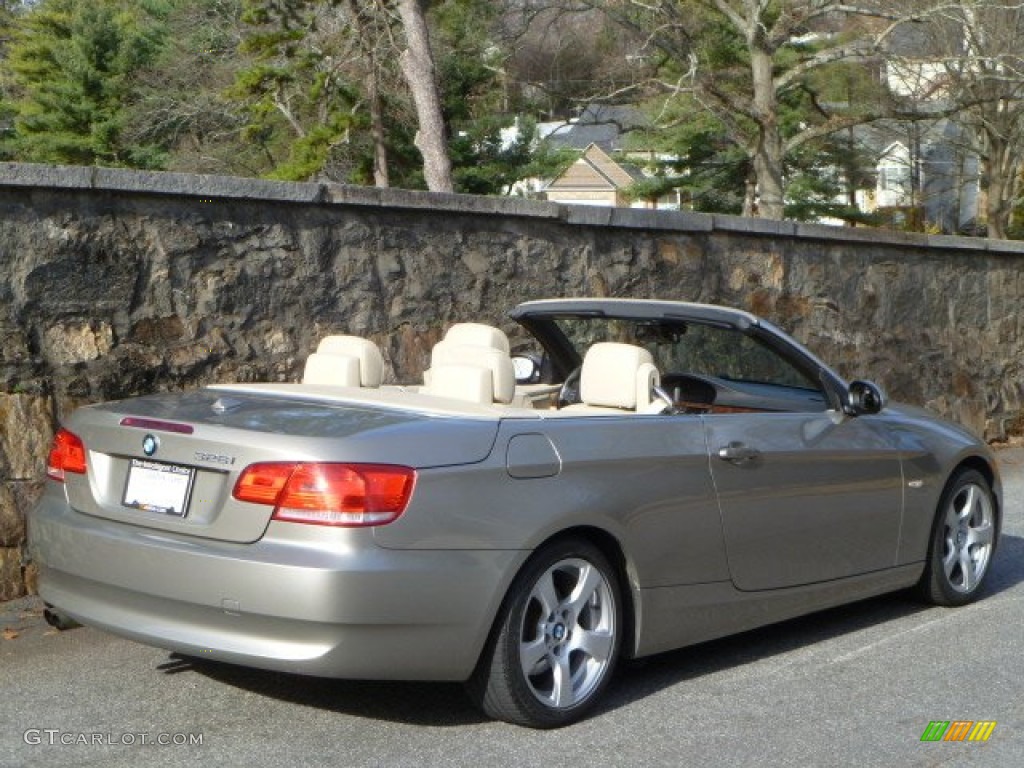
(557, 640)
(963, 540)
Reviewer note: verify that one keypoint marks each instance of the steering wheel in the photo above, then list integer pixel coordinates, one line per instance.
(669, 402)
(570, 390)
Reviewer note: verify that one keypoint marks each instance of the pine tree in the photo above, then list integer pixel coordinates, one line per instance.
(71, 64)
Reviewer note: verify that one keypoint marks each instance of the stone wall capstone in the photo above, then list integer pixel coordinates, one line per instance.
(114, 283)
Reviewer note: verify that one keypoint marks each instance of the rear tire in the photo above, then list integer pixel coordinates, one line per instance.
(963, 541)
(557, 639)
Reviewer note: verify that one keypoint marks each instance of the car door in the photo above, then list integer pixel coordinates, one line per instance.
(806, 494)
(805, 497)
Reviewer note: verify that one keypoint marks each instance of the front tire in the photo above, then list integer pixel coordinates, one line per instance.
(557, 640)
(963, 541)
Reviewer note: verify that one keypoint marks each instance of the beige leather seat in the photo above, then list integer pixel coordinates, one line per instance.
(475, 335)
(478, 374)
(617, 379)
(345, 361)
(472, 363)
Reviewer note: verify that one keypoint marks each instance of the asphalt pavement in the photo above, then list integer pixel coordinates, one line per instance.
(853, 686)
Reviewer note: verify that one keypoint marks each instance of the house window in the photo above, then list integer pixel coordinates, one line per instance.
(894, 178)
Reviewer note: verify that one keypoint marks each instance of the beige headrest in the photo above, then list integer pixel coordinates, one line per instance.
(617, 376)
(349, 361)
(478, 334)
(499, 365)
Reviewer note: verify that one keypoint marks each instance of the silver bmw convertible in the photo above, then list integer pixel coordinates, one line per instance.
(623, 478)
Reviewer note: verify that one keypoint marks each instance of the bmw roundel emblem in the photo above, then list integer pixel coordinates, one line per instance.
(149, 444)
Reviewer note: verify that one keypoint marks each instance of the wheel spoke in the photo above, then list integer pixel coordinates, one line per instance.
(562, 693)
(597, 645)
(949, 563)
(590, 581)
(544, 593)
(967, 570)
(532, 656)
(982, 535)
(971, 501)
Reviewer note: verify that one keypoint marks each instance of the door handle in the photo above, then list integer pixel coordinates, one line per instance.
(738, 453)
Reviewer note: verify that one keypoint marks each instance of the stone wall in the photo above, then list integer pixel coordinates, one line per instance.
(116, 282)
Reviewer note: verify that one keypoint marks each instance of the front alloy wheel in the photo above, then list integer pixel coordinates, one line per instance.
(557, 641)
(963, 540)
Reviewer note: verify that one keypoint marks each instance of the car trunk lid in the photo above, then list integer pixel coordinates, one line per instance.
(170, 462)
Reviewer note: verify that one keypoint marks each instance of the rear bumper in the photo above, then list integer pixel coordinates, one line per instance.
(303, 599)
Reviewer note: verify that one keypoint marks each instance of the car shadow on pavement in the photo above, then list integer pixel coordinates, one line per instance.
(1007, 565)
(412, 703)
(445, 704)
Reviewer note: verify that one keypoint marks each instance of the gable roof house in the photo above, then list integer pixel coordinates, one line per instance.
(605, 170)
(594, 179)
(924, 176)
(925, 173)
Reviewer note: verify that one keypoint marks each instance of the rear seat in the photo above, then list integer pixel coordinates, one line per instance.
(471, 363)
(345, 361)
(475, 335)
(471, 372)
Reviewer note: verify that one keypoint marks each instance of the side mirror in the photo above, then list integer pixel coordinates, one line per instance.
(527, 369)
(865, 398)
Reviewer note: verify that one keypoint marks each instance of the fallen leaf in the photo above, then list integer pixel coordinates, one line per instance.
(9, 634)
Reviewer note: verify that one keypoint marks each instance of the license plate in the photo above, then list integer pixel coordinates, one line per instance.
(156, 487)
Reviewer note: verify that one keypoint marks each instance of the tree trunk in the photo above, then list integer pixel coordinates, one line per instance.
(1000, 168)
(997, 211)
(768, 151)
(378, 134)
(380, 147)
(750, 194)
(417, 64)
(768, 167)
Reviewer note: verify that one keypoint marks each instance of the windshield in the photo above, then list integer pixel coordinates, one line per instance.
(688, 347)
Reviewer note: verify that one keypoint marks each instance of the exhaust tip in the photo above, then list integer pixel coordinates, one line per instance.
(58, 620)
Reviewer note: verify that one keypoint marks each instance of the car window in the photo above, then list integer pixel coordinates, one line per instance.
(692, 348)
(729, 354)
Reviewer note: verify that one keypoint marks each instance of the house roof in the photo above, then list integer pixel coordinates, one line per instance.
(878, 137)
(600, 124)
(595, 170)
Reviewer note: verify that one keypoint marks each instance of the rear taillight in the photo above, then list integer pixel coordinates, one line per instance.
(350, 495)
(262, 483)
(66, 455)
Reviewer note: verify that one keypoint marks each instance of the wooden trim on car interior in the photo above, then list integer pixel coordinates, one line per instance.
(689, 407)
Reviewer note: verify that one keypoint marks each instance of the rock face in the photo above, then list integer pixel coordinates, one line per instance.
(25, 430)
(115, 283)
